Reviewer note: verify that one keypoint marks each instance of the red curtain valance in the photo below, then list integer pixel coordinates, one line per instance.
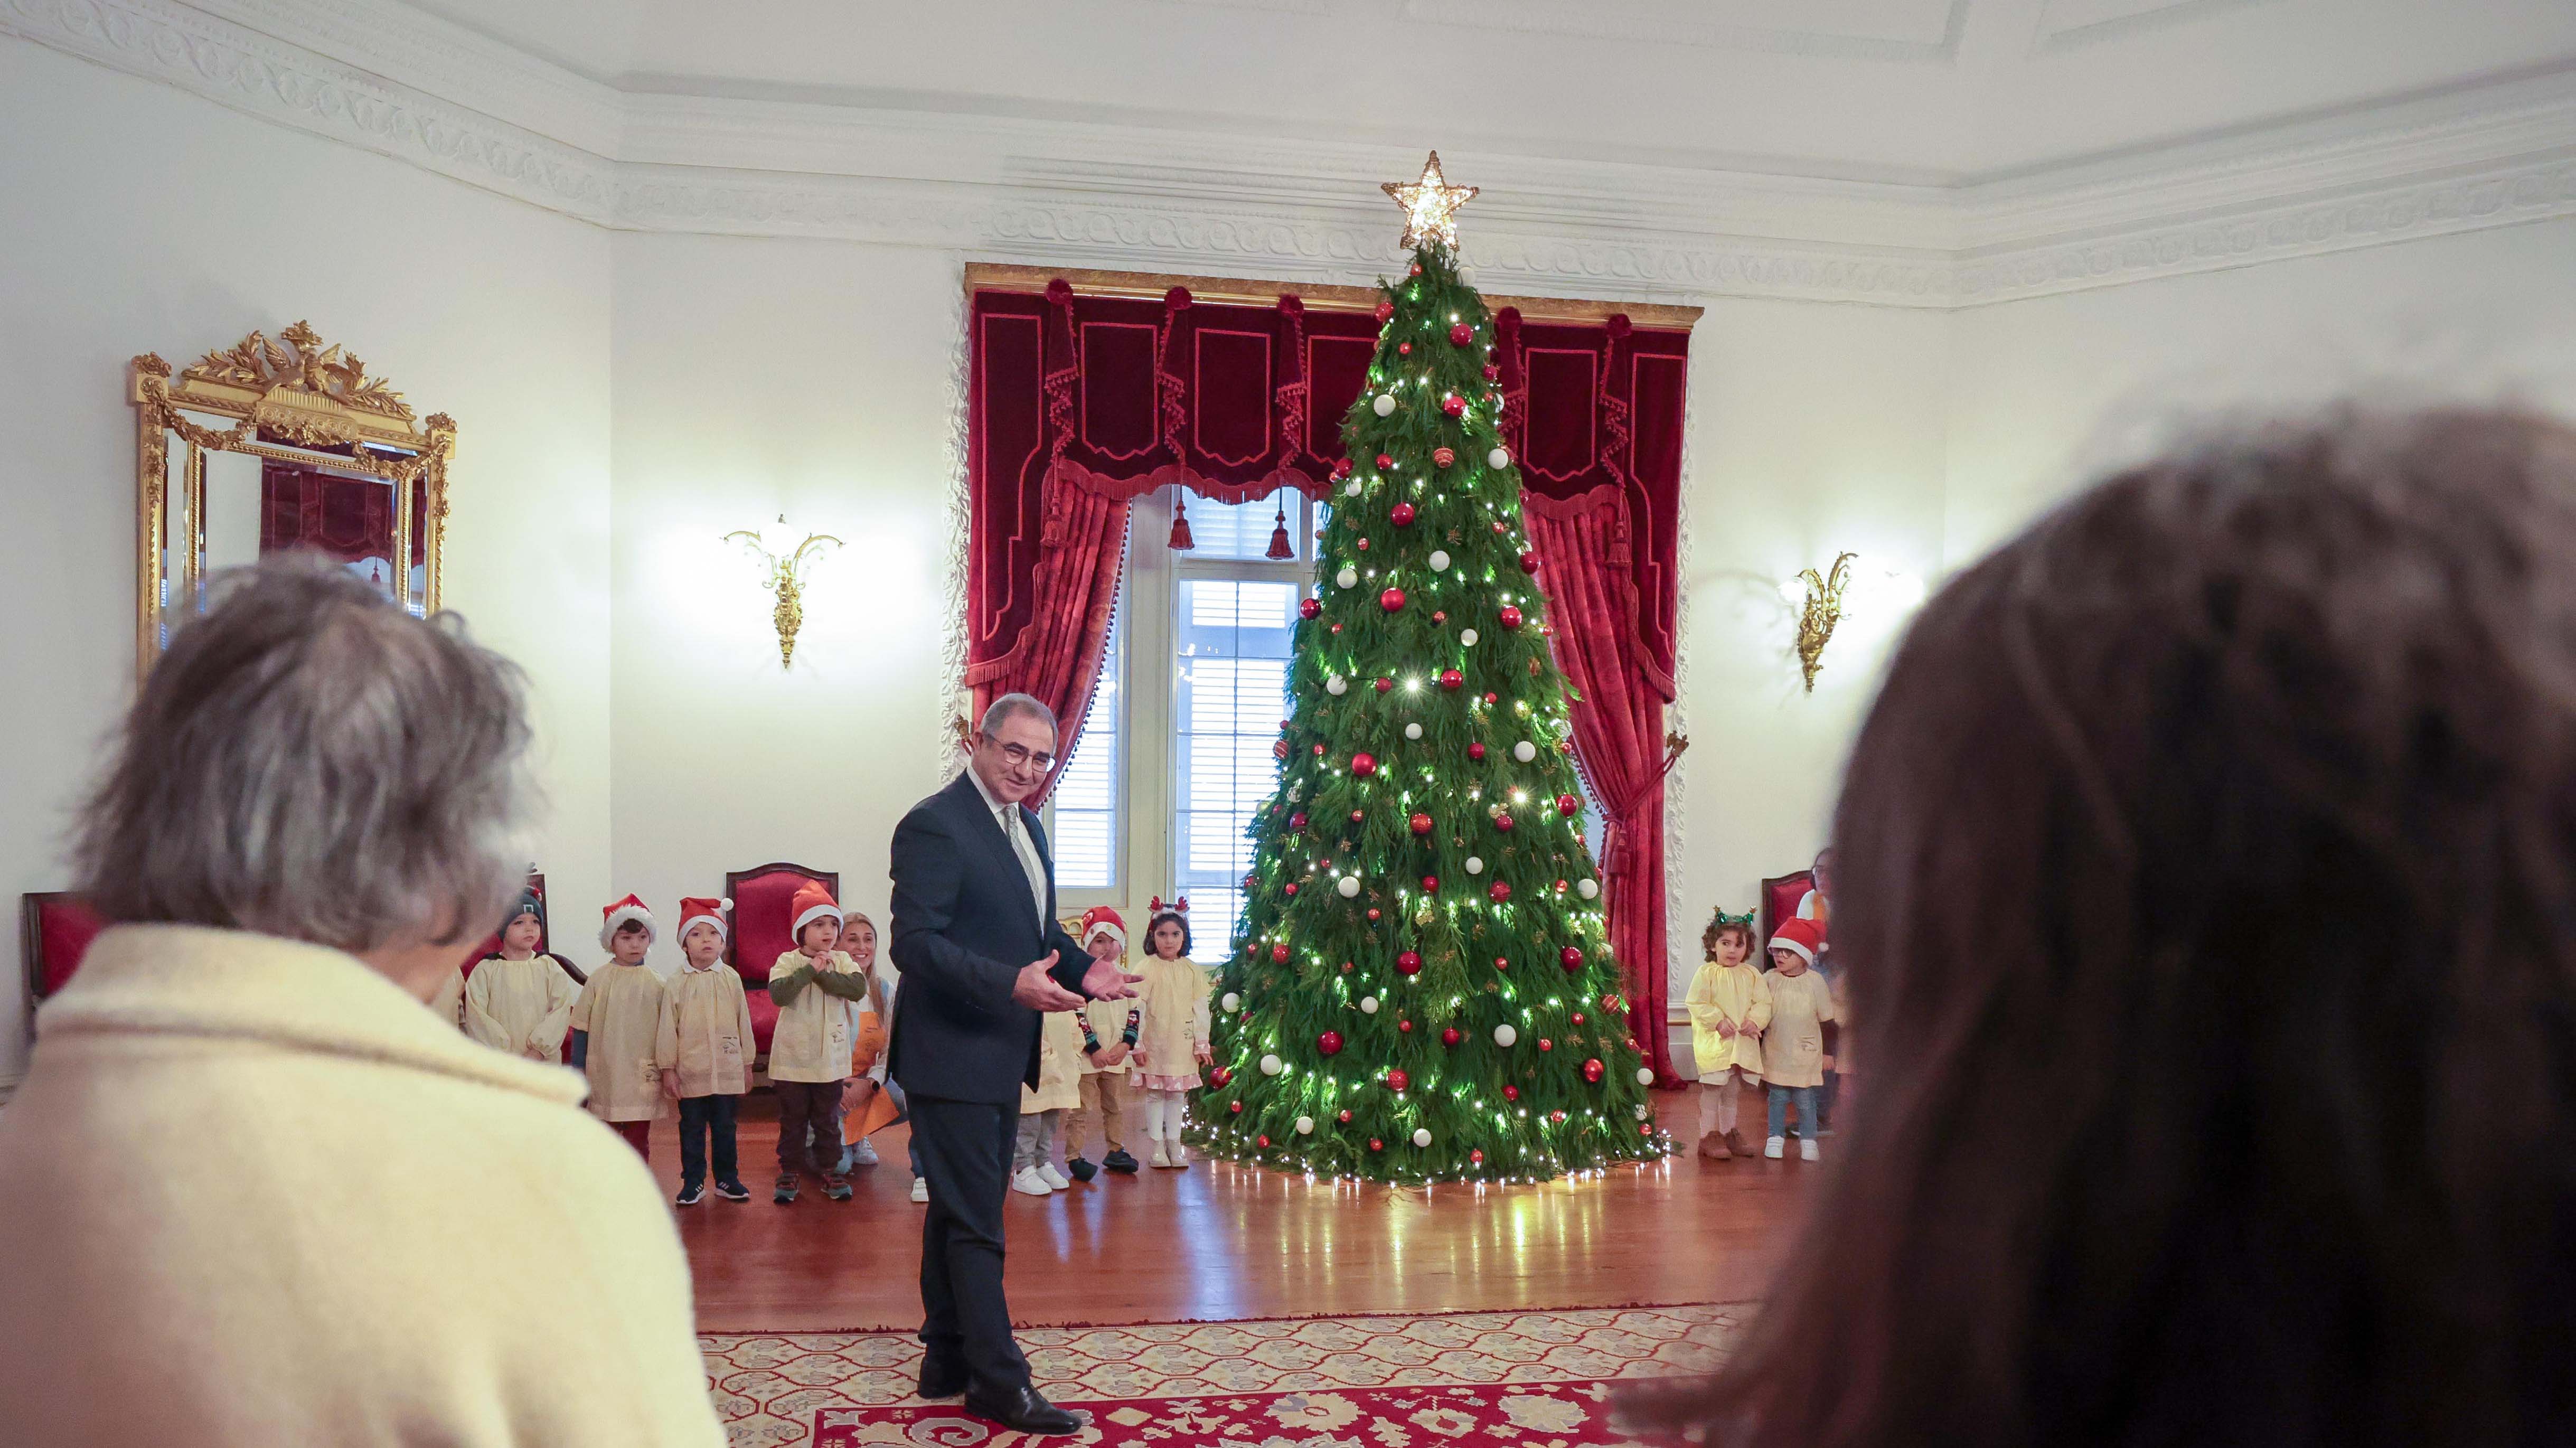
(347, 518)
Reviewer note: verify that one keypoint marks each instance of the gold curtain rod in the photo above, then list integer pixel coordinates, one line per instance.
(1242, 292)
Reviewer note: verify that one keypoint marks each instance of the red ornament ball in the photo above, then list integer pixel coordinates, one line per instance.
(1568, 806)
(1291, 888)
(1571, 957)
(1461, 335)
(1401, 515)
(1384, 462)
(1279, 954)
(1439, 616)
(1396, 1080)
(1329, 1043)
(1502, 962)
(1262, 1140)
(1373, 912)
(1545, 1044)
(1386, 686)
(1500, 893)
(1442, 457)
(1529, 562)
(1430, 884)
(1385, 309)
(1319, 749)
(1416, 270)
(1347, 967)
(1356, 817)
(1406, 1027)
(1474, 751)
(1578, 1018)
(1278, 748)
(1454, 405)
(1235, 1106)
(1511, 1093)
(1404, 349)
(1421, 824)
(1308, 608)
(1221, 1075)
(1409, 963)
(1556, 1116)
(1503, 822)
(1392, 600)
(1297, 821)
(1364, 545)
(1337, 628)
(1511, 616)
(1345, 1117)
(1341, 469)
(1493, 372)
(1376, 1145)
(1363, 765)
(1476, 1157)
(1592, 1070)
(1452, 679)
(1450, 1036)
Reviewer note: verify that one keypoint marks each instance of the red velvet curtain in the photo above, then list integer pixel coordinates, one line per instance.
(347, 518)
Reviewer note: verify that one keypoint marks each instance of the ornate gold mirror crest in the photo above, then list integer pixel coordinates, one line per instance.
(270, 445)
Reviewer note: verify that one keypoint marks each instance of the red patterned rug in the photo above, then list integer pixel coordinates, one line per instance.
(1450, 1380)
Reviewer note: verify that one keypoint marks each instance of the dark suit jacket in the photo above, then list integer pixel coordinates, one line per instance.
(964, 927)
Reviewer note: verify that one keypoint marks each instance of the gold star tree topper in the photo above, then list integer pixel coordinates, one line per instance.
(1430, 205)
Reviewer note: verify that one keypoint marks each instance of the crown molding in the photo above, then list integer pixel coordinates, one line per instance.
(1127, 196)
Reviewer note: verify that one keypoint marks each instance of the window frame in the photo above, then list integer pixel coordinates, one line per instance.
(1116, 661)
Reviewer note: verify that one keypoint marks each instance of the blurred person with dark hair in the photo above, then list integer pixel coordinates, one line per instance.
(370, 1229)
(2206, 871)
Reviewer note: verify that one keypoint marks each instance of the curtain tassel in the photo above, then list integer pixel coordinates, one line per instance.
(1181, 542)
(1280, 547)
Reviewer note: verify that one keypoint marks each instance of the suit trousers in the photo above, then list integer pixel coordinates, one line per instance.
(965, 1153)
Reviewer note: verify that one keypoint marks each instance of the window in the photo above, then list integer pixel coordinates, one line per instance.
(1086, 804)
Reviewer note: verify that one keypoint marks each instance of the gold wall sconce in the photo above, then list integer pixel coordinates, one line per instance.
(786, 581)
(1819, 601)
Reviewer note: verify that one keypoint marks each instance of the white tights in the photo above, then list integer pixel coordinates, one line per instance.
(1166, 1112)
(1717, 1101)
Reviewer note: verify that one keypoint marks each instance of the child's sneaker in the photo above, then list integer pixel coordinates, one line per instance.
(864, 1154)
(836, 1187)
(785, 1191)
(921, 1190)
(1081, 1169)
(733, 1191)
(1807, 1148)
(1772, 1148)
(1054, 1178)
(1028, 1183)
(691, 1193)
(1162, 1158)
(1120, 1161)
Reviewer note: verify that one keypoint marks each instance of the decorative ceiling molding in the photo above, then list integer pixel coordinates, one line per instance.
(376, 74)
(2068, 24)
(1903, 30)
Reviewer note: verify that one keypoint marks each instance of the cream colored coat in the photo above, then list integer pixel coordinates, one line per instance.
(1175, 993)
(1059, 1085)
(520, 1006)
(706, 1034)
(1793, 1050)
(622, 1010)
(365, 1230)
(1108, 1022)
(449, 1004)
(815, 1032)
(1734, 995)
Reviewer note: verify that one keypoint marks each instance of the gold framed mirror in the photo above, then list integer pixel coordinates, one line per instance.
(272, 445)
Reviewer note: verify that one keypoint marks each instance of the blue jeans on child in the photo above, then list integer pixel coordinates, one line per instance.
(700, 1118)
(1805, 1099)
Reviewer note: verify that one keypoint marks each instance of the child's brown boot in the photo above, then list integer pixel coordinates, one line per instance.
(1736, 1142)
(1713, 1146)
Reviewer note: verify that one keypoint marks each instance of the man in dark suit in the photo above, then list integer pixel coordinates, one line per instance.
(981, 956)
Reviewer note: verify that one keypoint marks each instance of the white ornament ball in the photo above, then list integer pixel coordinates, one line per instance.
(1475, 866)
(1439, 560)
(1498, 458)
(1349, 885)
(1640, 1110)
(1467, 637)
(1385, 404)
(1337, 686)
(1272, 1065)
(1412, 731)
(1422, 1136)
(1645, 1077)
(1368, 1005)
(1306, 1124)
(1232, 1002)
(1504, 1035)
(1524, 751)
(1351, 489)
(1587, 888)
(1348, 578)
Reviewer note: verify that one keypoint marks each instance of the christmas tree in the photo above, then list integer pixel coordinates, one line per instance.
(1423, 989)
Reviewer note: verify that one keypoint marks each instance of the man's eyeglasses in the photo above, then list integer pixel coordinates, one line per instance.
(1019, 755)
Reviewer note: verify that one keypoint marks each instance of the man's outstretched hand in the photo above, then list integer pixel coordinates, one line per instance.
(1107, 980)
(1038, 991)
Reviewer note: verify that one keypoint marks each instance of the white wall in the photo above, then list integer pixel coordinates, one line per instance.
(158, 222)
(755, 377)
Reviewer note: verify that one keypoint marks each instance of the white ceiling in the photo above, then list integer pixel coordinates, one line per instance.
(1936, 91)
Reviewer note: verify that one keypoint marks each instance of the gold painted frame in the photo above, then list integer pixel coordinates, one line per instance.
(292, 393)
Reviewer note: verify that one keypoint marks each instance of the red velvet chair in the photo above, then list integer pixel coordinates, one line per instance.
(1779, 900)
(54, 932)
(756, 932)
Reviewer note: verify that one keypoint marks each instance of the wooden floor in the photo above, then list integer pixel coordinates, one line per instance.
(1220, 1242)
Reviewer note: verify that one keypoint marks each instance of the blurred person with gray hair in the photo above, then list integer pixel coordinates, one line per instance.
(256, 1191)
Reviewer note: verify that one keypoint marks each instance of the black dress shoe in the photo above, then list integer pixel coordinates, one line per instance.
(941, 1380)
(1022, 1410)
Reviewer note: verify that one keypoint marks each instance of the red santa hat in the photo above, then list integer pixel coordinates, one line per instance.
(694, 913)
(1806, 937)
(811, 903)
(615, 916)
(1100, 919)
